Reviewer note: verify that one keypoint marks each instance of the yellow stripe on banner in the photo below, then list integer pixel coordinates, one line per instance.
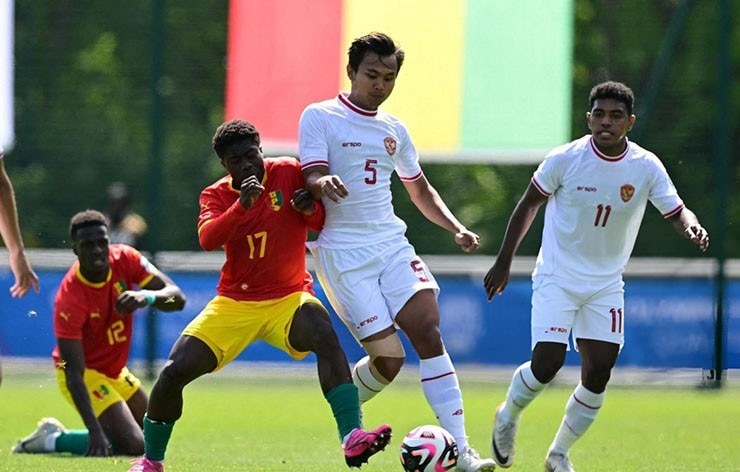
(428, 93)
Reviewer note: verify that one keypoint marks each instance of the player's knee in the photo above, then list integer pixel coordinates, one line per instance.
(424, 335)
(312, 331)
(389, 367)
(172, 377)
(387, 355)
(596, 380)
(547, 359)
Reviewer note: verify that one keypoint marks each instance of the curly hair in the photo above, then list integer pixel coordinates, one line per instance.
(232, 132)
(86, 218)
(616, 90)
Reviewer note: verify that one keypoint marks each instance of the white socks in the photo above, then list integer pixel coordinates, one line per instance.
(367, 385)
(580, 412)
(442, 391)
(523, 389)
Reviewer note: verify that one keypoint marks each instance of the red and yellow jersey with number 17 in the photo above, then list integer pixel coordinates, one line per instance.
(265, 245)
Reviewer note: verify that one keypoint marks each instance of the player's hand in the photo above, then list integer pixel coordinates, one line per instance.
(332, 187)
(467, 240)
(699, 236)
(97, 445)
(25, 277)
(303, 202)
(496, 279)
(251, 189)
(129, 301)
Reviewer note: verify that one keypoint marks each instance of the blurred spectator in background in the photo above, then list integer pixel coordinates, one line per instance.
(126, 226)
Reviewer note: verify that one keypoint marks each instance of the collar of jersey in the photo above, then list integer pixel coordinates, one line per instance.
(601, 155)
(344, 99)
(94, 284)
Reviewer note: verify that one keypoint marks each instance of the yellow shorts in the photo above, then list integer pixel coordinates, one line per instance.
(104, 391)
(228, 326)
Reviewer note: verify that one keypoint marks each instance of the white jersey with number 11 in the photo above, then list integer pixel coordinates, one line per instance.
(595, 207)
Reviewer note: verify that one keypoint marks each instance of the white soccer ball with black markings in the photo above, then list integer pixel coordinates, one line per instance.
(429, 448)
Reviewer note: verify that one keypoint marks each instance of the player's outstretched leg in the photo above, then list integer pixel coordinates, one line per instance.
(35, 442)
(361, 444)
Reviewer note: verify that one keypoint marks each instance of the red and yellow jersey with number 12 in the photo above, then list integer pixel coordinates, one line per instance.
(86, 311)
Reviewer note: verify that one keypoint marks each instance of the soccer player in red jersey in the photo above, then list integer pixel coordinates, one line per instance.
(93, 325)
(259, 214)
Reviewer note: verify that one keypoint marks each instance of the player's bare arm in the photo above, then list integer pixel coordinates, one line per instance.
(25, 277)
(250, 191)
(426, 198)
(322, 184)
(166, 296)
(521, 220)
(72, 354)
(687, 225)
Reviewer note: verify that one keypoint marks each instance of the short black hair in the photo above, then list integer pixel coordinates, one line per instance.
(378, 43)
(86, 218)
(232, 132)
(611, 89)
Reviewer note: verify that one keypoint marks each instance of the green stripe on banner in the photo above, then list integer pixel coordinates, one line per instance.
(517, 75)
(282, 55)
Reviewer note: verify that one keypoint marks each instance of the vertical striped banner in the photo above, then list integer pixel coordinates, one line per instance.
(479, 75)
(281, 56)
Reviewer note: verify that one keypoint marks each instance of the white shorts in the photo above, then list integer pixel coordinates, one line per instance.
(368, 286)
(562, 310)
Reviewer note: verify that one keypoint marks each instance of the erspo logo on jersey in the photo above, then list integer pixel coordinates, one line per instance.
(626, 192)
(367, 321)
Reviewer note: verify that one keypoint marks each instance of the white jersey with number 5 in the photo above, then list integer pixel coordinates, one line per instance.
(595, 208)
(363, 148)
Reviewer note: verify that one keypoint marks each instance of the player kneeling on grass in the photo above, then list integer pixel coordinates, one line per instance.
(93, 324)
(264, 293)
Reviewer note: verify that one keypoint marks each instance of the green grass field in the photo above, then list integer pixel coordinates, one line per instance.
(278, 420)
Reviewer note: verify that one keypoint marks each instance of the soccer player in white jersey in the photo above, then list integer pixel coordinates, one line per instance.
(25, 277)
(369, 271)
(596, 189)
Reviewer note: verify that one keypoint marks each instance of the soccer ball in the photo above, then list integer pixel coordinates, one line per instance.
(428, 448)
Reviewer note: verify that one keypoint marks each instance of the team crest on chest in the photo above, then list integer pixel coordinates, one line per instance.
(626, 192)
(390, 145)
(276, 200)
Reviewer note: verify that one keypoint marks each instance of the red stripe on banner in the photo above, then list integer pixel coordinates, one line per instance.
(282, 55)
